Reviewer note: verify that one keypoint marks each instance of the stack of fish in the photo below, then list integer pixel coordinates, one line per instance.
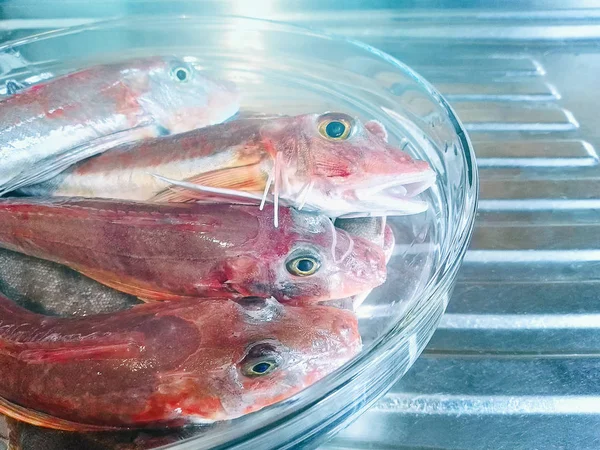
(167, 261)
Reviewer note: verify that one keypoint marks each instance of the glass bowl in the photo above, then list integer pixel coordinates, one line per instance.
(284, 69)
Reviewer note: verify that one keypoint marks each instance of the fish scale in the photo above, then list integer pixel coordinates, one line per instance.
(49, 288)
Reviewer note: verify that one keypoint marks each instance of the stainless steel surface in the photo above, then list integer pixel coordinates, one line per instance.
(516, 360)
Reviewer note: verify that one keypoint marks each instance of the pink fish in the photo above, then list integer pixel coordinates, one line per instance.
(165, 364)
(49, 126)
(375, 230)
(330, 163)
(174, 251)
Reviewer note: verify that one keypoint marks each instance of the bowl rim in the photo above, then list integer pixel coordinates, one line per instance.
(396, 334)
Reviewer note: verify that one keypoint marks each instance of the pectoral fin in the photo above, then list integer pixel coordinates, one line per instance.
(115, 347)
(49, 167)
(40, 419)
(232, 182)
(144, 293)
(185, 191)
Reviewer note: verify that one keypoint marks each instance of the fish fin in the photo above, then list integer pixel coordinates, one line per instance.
(123, 346)
(242, 178)
(389, 242)
(50, 167)
(44, 420)
(248, 114)
(13, 86)
(121, 284)
(230, 194)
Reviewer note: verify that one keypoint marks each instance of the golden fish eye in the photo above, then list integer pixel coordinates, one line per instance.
(262, 359)
(260, 368)
(303, 266)
(181, 74)
(335, 129)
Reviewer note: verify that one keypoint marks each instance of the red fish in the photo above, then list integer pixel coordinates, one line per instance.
(165, 364)
(331, 163)
(376, 230)
(173, 251)
(49, 126)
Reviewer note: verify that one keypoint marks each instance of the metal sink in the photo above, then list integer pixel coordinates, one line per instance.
(516, 360)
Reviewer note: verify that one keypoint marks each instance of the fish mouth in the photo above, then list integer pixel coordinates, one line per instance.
(395, 196)
(407, 185)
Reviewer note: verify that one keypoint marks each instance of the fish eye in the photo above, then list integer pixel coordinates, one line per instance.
(261, 368)
(335, 127)
(181, 74)
(303, 266)
(262, 359)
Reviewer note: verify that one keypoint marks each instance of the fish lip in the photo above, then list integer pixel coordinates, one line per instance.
(419, 182)
(395, 196)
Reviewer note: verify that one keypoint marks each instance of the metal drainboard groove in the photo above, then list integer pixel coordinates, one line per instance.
(544, 153)
(511, 363)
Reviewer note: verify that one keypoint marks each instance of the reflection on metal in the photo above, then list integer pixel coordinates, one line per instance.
(497, 404)
(516, 360)
(520, 321)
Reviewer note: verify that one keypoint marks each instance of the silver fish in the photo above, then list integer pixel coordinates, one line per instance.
(49, 126)
(49, 288)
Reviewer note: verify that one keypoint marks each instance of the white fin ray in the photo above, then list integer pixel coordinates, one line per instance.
(304, 193)
(208, 189)
(266, 191)
(277, 187)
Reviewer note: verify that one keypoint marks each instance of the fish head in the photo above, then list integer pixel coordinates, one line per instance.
(181, 97)
(337, 164)
(310, 260)
(374, 229)
(284, 349)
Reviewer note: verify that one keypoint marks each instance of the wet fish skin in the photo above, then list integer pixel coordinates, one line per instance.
(49, 288)
(371, 228)
(142, 97)
(172, 251)
(376, 230)
(79, 371)
(287, 159)
(52, 289)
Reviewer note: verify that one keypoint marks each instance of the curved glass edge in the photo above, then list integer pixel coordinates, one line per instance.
(424, 307)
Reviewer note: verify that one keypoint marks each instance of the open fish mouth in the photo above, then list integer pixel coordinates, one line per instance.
(394, 197)
(407, 185)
